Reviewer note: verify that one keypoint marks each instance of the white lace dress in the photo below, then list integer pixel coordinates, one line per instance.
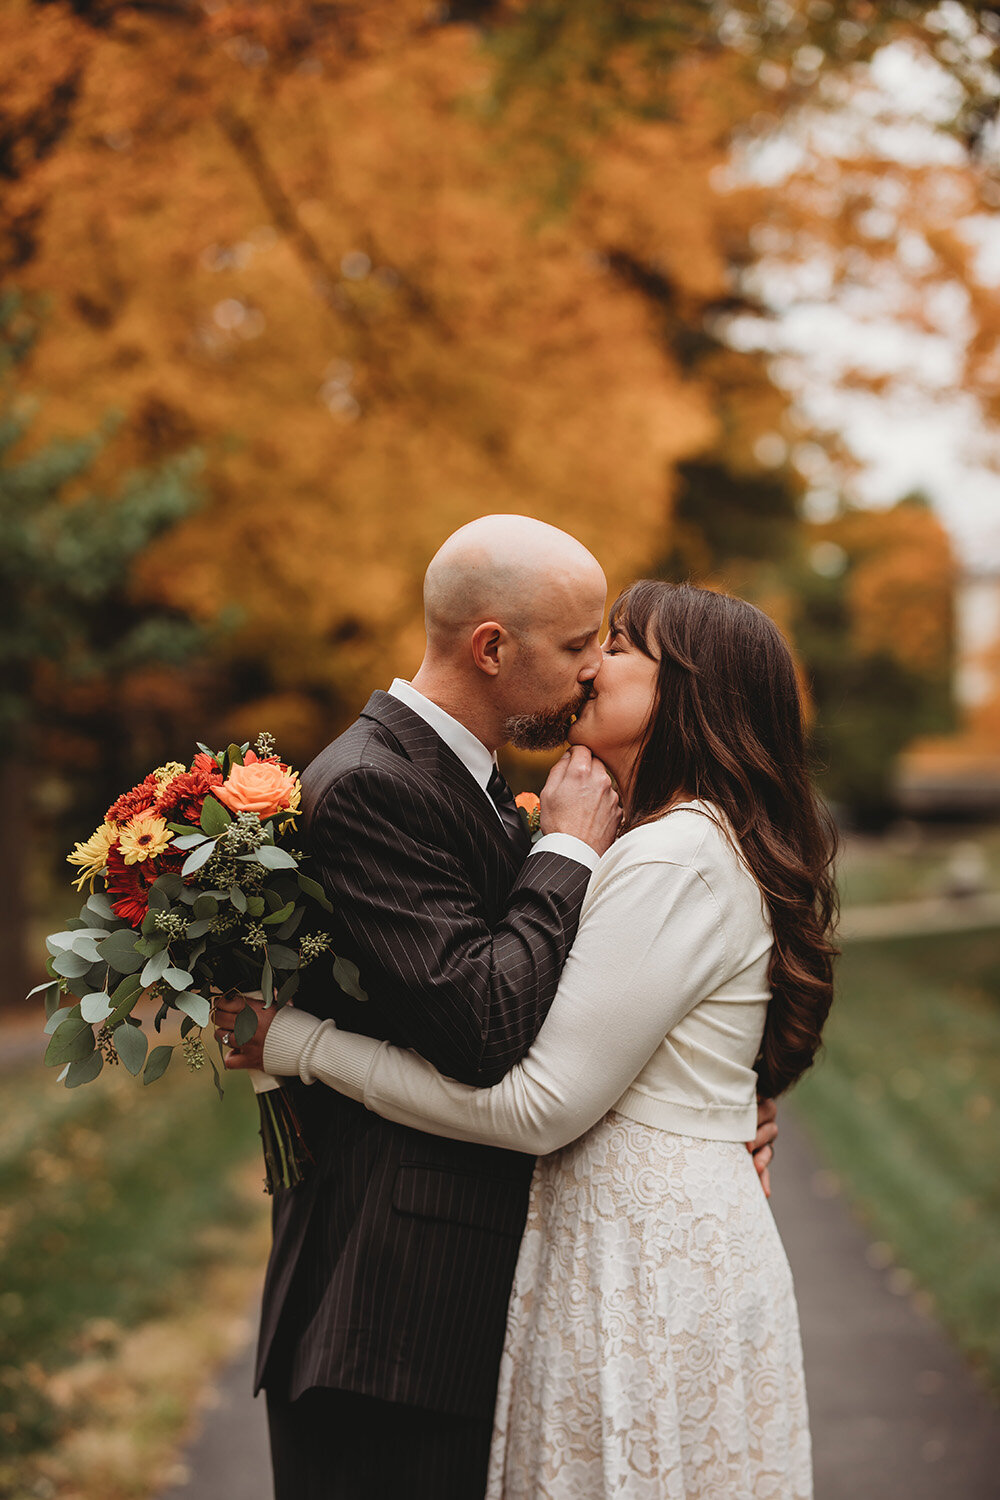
(652, 1346)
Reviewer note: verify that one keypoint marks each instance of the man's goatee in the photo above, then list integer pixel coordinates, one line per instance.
(546, 730)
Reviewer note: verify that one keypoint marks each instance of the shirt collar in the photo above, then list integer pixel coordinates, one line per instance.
(471, 751)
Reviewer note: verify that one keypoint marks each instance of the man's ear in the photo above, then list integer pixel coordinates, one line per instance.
(487, 639)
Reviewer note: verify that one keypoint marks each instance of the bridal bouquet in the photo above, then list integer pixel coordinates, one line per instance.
(193, 888)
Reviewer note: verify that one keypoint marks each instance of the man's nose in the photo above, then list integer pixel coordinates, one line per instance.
(591, 666)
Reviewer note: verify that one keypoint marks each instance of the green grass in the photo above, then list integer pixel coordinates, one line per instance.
(109, 1195)
(905, 1104)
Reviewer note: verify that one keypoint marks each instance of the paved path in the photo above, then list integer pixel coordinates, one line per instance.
(929, 915)
(895, 1413)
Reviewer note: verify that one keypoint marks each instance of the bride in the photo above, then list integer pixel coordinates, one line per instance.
(652, 1345)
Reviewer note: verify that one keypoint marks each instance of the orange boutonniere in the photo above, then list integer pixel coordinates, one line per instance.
(530, 809)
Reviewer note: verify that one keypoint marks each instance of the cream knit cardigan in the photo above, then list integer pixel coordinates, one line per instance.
(659, 1012)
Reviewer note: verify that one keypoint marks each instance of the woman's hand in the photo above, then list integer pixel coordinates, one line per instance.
(225, 1009)
(761, 1148)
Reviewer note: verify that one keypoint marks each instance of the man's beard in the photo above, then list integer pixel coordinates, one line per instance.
(546, 730)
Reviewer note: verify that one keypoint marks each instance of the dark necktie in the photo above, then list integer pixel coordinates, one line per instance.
(503, 798)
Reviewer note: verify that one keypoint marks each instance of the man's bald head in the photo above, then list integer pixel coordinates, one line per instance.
(511, 569)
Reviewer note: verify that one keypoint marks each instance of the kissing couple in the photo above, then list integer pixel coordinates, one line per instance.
(444, 1315)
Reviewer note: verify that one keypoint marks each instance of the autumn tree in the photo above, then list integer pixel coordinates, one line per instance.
(391, 268)
(73, 632)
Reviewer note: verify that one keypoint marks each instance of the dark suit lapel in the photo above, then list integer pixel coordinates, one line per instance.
(425, 748)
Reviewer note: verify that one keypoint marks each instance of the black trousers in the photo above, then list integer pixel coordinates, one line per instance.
(335, 1445)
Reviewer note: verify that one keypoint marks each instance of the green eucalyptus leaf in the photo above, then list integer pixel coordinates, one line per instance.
(274, 858)
(215, 818)
(170, 883)
(238, 898)
(157, 1064)
(288, 989)
(267, 983)
(197, 1007)
(290, 928)
(198, 857)
(53, 995)
(310, 887)
(85, 947)
(118, 950)
(189, 840)
(178, 979)
(70, 965)
(205, 906)
(57, 1018)
(198, 929)
(217, 1080)
(85, 1070)
(281, 957)
(156, 967)
(348, 976)
(45, 985)
(72, 1040)
(96, 1007)
(245, 1028)
(99, 904)
(131, 1046)
(60, 942)
(158, 898)
(235, 754)
(124, 998)
(255, 906)
(281, 915)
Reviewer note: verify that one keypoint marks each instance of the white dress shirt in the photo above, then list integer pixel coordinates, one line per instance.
(659, 1012)
(480, 764)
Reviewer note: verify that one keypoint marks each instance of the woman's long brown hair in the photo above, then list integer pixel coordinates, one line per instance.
(726, 728)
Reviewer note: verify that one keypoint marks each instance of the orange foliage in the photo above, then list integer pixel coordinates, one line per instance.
(901, 585)
(323, 267)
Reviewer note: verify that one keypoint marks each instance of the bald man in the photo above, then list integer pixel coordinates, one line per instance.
(391, 1266)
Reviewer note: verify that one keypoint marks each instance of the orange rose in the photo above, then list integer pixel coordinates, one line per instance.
(262, 788)
(530, 809)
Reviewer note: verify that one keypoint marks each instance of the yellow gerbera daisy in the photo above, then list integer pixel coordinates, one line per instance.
(165, 774)
(143, 838)
(294, 808)
(92, 856)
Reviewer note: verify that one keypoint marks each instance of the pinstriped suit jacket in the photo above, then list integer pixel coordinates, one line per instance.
(391, 1264)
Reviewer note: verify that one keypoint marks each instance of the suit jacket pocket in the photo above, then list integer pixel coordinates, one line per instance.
(498, 1204)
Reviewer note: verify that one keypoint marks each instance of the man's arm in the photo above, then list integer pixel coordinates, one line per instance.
(467, 996)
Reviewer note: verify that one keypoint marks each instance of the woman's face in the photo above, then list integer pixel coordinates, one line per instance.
(614, 718)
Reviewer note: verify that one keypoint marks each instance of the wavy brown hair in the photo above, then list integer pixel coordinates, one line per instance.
(726, 727)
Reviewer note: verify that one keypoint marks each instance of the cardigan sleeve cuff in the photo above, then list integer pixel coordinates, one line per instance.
(300, 1045)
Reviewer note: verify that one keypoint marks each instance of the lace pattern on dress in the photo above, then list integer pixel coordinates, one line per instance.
(652, 1346)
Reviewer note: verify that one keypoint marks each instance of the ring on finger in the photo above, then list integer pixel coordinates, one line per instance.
(227, 1038)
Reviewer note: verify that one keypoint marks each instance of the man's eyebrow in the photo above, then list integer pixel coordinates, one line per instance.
(584, 635)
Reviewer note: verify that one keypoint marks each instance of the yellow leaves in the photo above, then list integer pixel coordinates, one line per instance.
(901, 585)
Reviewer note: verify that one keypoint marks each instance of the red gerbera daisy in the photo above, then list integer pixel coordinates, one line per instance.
(137, 800)
(128, 886)
(207, 766)
(184, 796)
